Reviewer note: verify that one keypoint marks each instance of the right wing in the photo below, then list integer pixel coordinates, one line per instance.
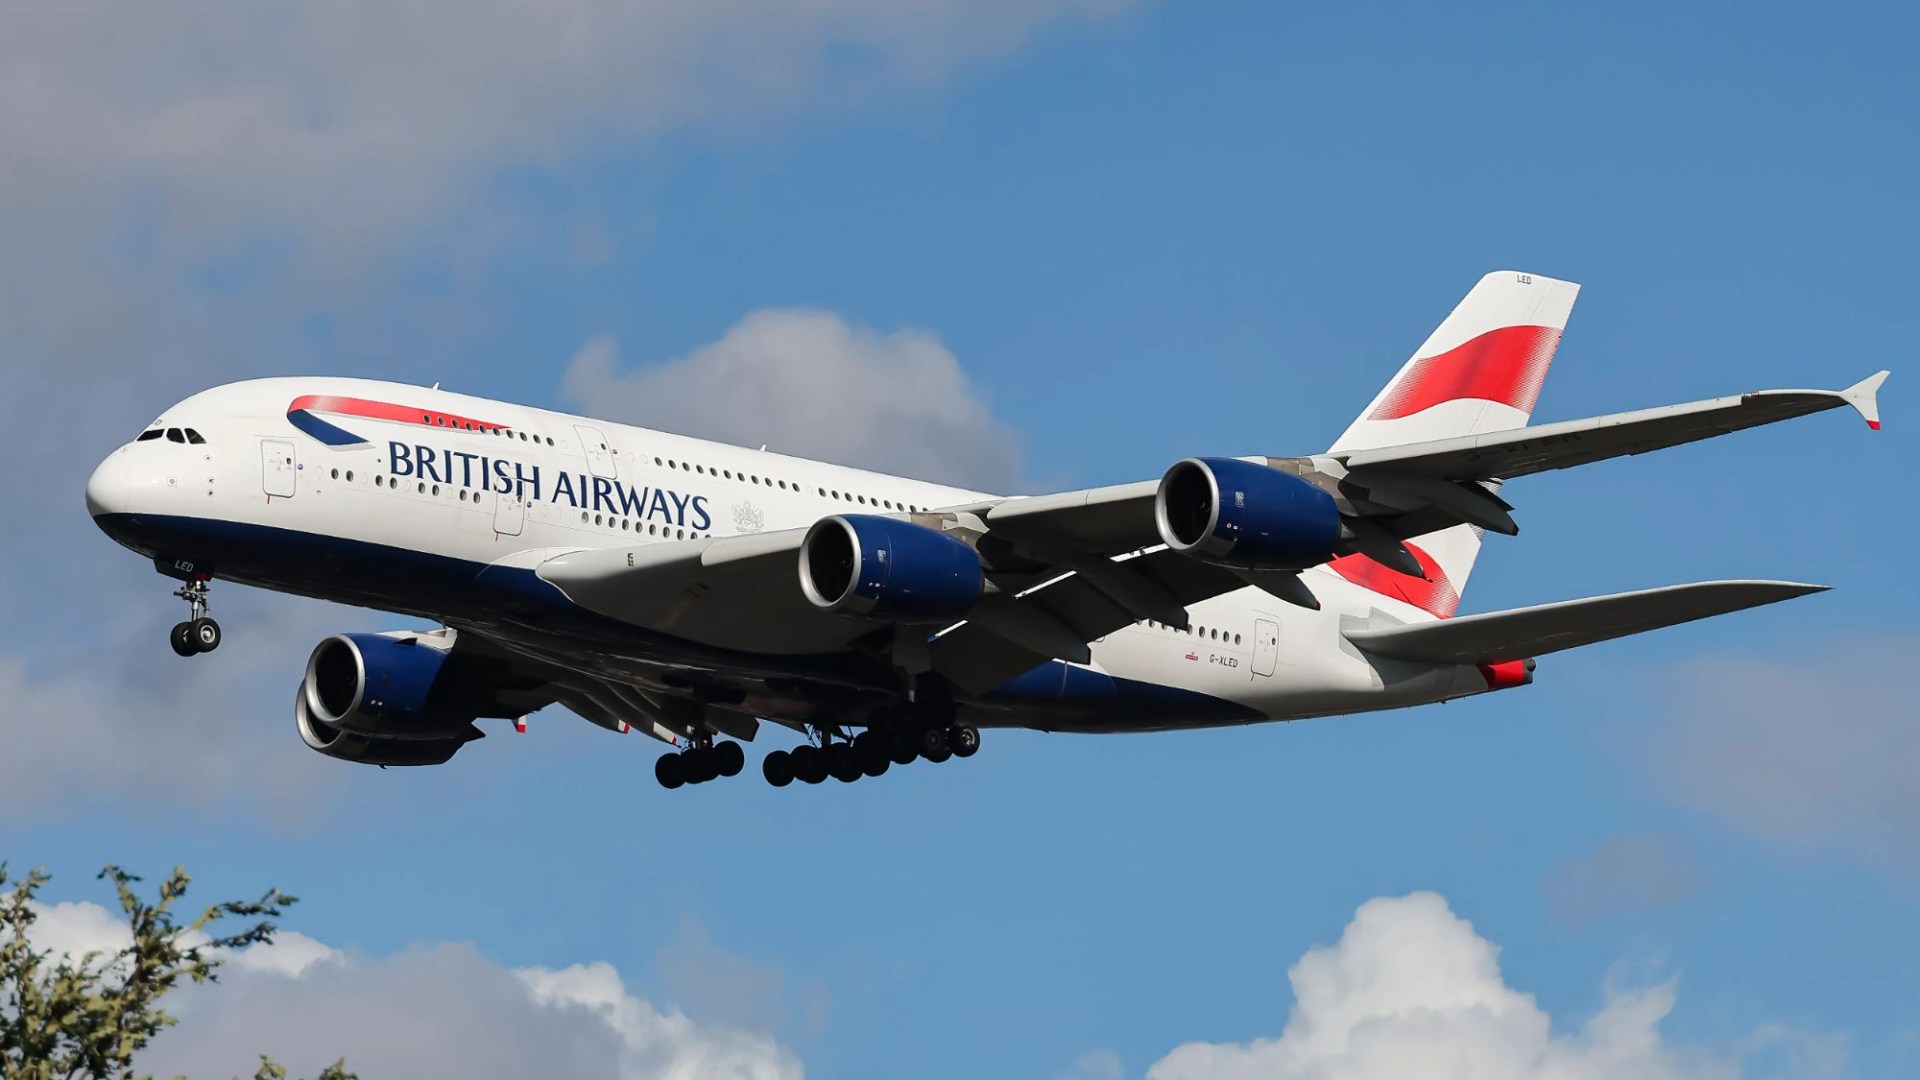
(1523, 633)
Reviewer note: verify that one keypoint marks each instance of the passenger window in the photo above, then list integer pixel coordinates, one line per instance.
(194, 438)
(150, 435)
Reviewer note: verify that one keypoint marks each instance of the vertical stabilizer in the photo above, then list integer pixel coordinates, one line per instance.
(1479, 371)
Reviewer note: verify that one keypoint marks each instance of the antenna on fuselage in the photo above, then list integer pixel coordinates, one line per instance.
(436, 386)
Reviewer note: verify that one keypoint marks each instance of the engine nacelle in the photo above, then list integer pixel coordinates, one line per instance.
(384, 687)
(1238, 513)
(348, 746)
(885, 568)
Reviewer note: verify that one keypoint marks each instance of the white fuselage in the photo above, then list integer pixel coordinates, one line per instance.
(523, 485)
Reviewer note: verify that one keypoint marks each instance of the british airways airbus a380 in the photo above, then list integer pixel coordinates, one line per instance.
(692, 590)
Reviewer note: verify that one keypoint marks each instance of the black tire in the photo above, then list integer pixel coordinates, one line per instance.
(702, 765)
(842, 764)
(873, 749)
(669, 770)
(964, 740)
(809, 765)
(902, 748)
(205, 635)
(777, 767)
(182, 640)
(933, 741)
(729, 758)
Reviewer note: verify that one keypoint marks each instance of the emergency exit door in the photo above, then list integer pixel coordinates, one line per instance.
(1266, 646)
(509, 512)
(277, 467)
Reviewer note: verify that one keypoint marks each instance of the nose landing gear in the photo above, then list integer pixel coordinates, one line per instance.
(198, 634)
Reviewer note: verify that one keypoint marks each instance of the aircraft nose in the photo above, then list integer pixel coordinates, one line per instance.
(107, 487)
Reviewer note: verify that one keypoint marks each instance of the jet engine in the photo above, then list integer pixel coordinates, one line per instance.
(1238, 513)
(885, 568)
(383, 701)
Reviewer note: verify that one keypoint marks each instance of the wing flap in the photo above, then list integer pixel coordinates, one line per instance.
(1547, 628)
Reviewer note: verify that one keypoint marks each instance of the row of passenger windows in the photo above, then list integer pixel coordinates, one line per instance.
(613, 521)
(469, 425)
(754, 478)
(173, 434)
(1210, 633)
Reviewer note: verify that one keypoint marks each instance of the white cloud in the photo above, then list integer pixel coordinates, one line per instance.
(1099, 1064)
(1411, 990)
(810, 383)
(1628, 872)
(428, 1011)
(1812, 750)
(359, 114)
(130, 720)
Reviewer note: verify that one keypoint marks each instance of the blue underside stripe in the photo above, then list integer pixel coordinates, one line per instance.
(429, 584)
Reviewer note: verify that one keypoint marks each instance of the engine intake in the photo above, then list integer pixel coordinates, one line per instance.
(1238, 513)
(386, 687)
(885, 568)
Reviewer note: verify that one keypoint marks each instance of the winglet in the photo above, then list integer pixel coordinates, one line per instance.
(1865, 396)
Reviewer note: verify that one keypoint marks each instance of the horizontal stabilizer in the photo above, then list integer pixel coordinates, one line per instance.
(1535, 631)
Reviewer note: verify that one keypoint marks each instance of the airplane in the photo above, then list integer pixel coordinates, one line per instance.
(696, 591)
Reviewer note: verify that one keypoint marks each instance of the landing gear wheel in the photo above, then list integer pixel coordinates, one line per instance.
(964, 740)
(701, 765)
(842, 764)
(933, 741)
(182, 640)
(809, 765)
(204, 633)
(777, 767)
(874, 751)
(903, 748)
(729, 758)
(667, 769)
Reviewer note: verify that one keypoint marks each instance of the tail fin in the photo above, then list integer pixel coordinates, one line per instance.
(1479, 371)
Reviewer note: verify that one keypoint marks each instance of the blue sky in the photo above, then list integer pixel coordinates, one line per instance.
(1144, 230)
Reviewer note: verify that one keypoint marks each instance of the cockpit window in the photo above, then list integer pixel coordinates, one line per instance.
(174, 434)
(149, 435)
(194, 437)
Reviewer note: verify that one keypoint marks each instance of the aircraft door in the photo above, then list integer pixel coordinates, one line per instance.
(599, 453)
(509, 513)
(1266, 646)
(277, 467)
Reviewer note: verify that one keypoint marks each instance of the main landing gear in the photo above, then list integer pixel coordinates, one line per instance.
(699, 763)
(871, 753)
(198, 634)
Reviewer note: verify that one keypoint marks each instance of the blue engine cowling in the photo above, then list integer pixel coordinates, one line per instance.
(1238, 513)
(885, 568)
(384, 687)
(350, 746)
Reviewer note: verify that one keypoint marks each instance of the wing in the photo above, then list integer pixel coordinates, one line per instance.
(1527, 632)
(1504, 455)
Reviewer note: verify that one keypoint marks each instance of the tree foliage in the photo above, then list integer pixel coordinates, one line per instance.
(84, 1018)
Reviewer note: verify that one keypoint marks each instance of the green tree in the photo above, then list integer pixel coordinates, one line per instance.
(66, 1018)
